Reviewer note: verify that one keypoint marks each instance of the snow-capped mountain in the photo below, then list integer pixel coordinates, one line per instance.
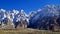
(14, 17)
(43, 16)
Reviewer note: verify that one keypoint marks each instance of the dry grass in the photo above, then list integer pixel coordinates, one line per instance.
(26, 31)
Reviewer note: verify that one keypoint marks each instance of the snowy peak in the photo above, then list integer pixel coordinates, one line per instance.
(15, 11)
(2, 10)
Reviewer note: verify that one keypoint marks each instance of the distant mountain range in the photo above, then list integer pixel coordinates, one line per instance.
(36, 19)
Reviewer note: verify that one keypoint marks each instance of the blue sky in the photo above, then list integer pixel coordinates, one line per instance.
(27, 5)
